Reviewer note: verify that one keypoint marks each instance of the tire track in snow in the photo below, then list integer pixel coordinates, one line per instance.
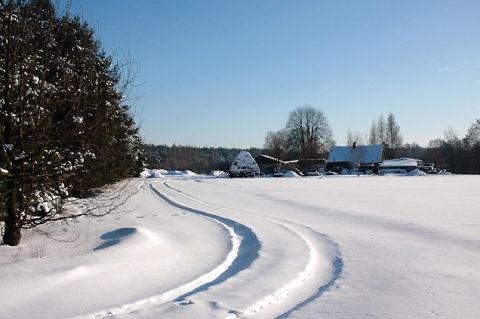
(324, 258)
(244, 250)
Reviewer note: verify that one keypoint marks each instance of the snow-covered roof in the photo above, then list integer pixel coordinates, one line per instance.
(259, 158)
(401, 162)
(360, 155)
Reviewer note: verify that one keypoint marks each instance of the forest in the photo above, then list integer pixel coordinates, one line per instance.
(201, 160)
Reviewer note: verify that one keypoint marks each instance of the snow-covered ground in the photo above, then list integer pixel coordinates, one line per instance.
(187, 246)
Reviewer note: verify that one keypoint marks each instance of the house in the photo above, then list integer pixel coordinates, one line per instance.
(349, 158)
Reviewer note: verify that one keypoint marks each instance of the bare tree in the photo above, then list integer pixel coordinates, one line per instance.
(451, 146)
(356, 138)
(308, 132)
(381, 128)
(472, 143)
(276, 144)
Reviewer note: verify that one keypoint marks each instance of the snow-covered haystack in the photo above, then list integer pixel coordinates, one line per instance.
(244, 166)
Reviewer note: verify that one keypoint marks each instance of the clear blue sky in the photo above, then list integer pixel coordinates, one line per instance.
(224, 73)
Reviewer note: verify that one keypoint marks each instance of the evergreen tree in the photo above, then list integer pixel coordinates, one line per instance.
(393, 137)
(380, 136)
(61, 115)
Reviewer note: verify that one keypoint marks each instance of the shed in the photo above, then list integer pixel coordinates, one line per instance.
(268, 164)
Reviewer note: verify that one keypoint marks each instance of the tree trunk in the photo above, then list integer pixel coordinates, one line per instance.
(12, 234)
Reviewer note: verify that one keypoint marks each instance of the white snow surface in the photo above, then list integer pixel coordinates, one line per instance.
(291, 174)
(400, 162)
(203, 247)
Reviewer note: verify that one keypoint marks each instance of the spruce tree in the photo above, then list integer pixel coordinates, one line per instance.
(393, 137)
(63, 123)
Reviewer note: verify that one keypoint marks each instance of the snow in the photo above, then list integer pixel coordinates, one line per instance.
(290, 174)
(400, 162)
(188, 246)
(157, 173)
(181, 173)
(416, 172)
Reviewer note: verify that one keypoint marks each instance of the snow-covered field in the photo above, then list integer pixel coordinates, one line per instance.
(200, 247)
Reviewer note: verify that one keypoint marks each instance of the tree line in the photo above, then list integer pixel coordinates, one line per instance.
(307, 135)
(451, 153)
(66, 126)
(201, 160)
(455, 154)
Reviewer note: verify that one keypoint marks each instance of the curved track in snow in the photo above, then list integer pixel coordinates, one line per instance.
(294, 263)
(198, 247)
(244, 247)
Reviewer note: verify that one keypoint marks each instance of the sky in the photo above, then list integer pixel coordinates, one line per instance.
(225, 73)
